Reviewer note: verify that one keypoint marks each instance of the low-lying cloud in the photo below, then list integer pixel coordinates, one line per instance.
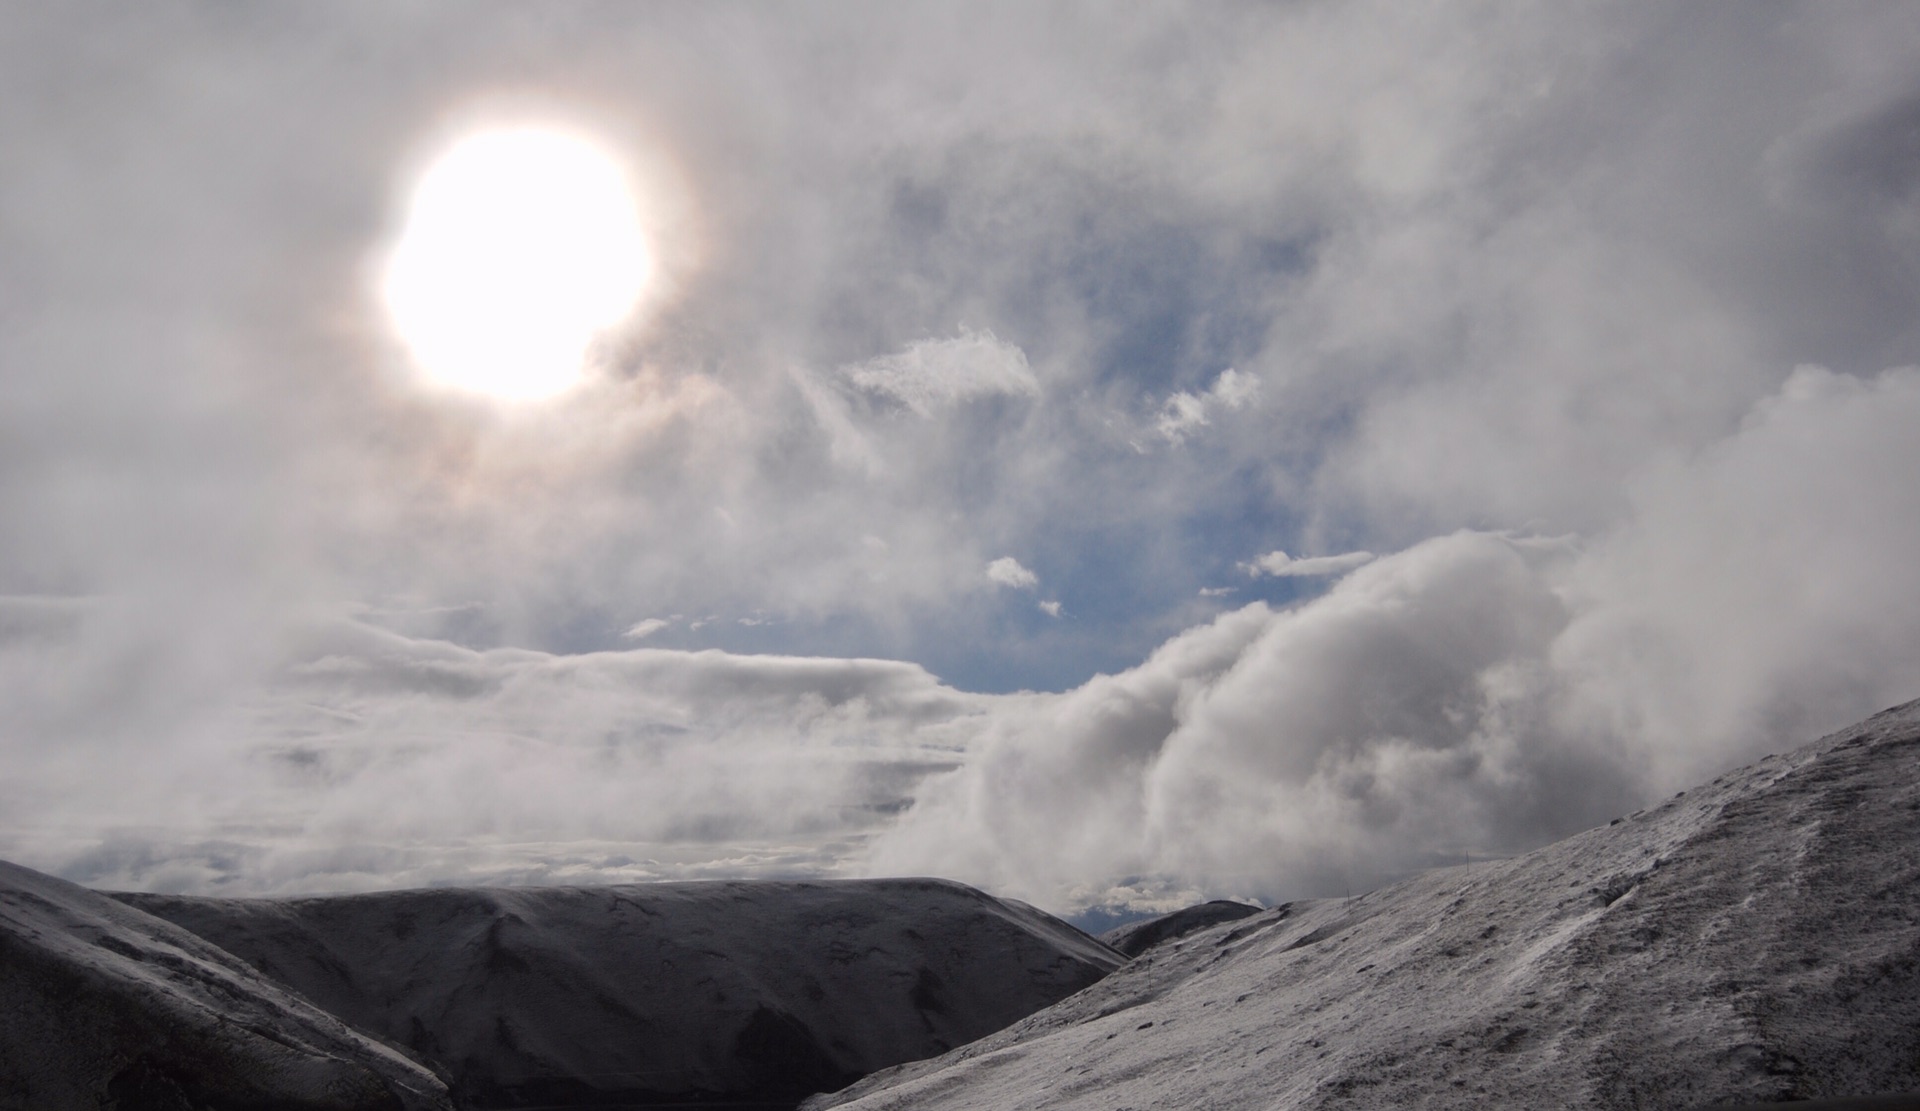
(1477, 693)
(365, 759)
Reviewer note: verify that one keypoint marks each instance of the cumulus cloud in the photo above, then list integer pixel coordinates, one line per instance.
(1007, 571)
(1184, 413)
(1368, 732)
(1756, 594)
(1282, 565)
(1476, 693)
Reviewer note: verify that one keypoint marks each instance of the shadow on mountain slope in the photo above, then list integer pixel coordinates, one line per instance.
(652, 994)
(103, 1006)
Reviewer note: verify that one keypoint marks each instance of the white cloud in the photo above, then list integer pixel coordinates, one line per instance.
(1007, 571)
(1758, 593)
(641, 630)
(1276, 750)
(1280, 564)
(1179, 415)
(370, 759)
(932, 374)
(1050, 607)
(1475, 692)
(1183, 413)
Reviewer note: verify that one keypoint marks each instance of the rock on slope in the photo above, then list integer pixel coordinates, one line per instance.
(1755, 939)
(1135, 938)
(660, 992)
(103, 1006)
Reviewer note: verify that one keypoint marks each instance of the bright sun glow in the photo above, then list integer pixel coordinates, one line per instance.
(520, 246)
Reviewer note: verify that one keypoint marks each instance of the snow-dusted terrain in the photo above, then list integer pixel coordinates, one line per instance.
(651, 992)
(103, 1006)
(1754, 939)
(1135, 938)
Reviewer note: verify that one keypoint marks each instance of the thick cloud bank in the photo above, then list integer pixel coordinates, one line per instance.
(1477, 692)
(368, 759)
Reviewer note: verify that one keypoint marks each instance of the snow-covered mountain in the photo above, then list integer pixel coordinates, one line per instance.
(1135, 938)
(654, 992)
(1755, 939)
(104, 1006)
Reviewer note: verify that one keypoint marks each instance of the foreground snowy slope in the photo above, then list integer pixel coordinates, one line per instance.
(1754, 939)
(104, 1006)
(660, 992)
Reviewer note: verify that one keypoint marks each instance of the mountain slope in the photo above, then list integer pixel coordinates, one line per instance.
(1751, 940)
(660, 992)
(104, 1006)
(1135, 938)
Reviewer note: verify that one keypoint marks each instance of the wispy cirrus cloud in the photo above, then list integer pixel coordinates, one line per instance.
(646, 627)
(930, 374)
(1281, 565)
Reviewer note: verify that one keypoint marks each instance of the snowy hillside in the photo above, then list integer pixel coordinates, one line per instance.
(104, 1006)
(1135, 938)
(1754, 939)
(650, 992)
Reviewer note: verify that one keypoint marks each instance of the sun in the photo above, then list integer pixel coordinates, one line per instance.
(520, 246)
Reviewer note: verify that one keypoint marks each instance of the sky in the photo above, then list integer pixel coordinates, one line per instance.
(1108, 454)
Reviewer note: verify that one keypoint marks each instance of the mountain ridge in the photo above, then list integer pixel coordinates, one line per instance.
(1753, 939)
(756, 991)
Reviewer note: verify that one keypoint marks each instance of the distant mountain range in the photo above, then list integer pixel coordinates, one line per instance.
(744, 994)
(1756, 939)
